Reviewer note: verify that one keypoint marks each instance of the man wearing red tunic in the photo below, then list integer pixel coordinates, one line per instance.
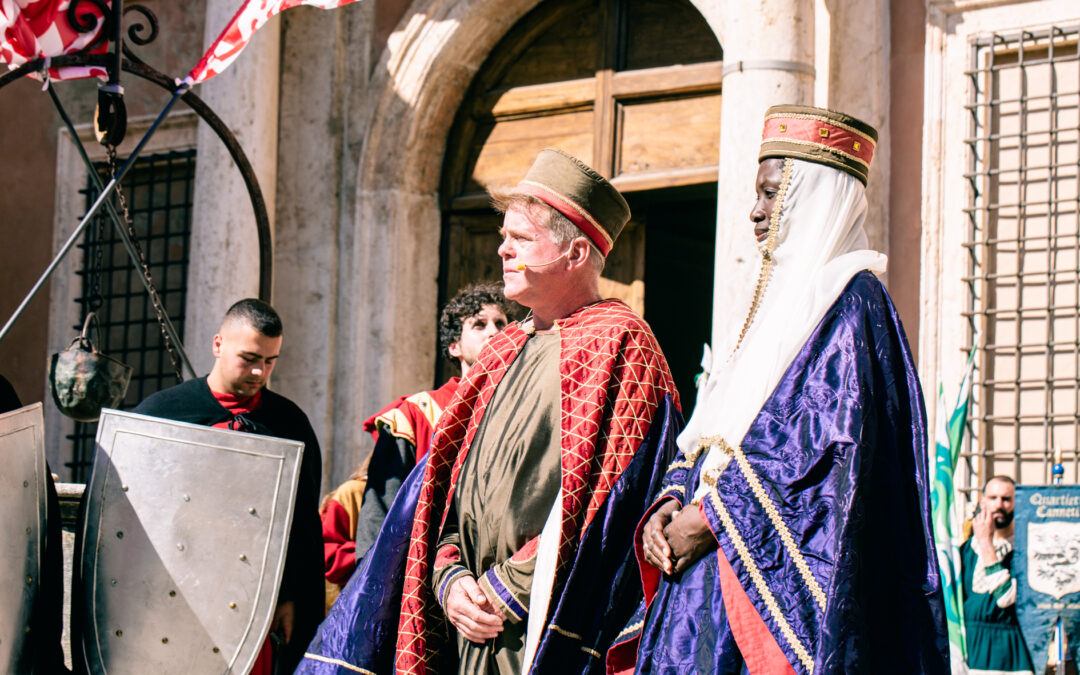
(513, 550)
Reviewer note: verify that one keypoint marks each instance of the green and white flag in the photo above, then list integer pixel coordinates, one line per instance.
(946, 511)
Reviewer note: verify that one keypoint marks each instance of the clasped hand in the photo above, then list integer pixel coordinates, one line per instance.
(471, 611)
(675, 538)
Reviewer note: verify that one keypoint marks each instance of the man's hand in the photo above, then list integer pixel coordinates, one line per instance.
(983, 530)
(283, 620)
(657, 550)
(471, 612)
(689, 537)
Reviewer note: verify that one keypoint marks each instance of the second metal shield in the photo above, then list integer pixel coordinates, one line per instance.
(183, 546)
(22, 531)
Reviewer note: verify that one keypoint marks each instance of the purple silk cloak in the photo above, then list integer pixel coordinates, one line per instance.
(839, 456)
(602, 588)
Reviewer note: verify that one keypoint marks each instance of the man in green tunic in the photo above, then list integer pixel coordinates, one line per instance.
(511, 547)
(995, 645)
(519, 491)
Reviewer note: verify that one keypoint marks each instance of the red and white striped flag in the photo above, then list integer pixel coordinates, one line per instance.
(251, 16)
(34, 29)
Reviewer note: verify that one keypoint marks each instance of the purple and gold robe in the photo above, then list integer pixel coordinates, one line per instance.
(825, 555)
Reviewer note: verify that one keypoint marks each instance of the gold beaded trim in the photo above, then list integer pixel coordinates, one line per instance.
(762, 588)
(337, 662)
(836, 151)
(572, 636)
(771, 511)
(767, 249)
(630, 629)
(706, 442)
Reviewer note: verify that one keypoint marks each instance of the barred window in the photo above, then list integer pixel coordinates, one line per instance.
(159, 190)
(1024, 250)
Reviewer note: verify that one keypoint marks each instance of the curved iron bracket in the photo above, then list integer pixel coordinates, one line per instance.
(136, 67)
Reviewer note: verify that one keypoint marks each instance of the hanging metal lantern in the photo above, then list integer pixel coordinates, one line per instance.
(83, 380)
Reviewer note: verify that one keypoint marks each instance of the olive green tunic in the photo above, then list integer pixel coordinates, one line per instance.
(506, 489)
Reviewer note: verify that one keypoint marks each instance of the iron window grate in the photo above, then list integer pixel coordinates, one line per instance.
(159, 191)
(1023, 249)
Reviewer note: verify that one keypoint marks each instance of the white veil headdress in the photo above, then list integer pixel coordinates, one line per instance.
(820, 245)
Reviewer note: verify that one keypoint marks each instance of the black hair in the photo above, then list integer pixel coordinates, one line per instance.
(467, 303)
(257, 314)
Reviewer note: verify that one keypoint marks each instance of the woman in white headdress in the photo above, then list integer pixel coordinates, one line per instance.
(792, 532)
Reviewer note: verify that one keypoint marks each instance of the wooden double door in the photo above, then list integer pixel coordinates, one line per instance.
(632, 88)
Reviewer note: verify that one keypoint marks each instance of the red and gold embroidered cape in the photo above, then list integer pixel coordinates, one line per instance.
(612, 375)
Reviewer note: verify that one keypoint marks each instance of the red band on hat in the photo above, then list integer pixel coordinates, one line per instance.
(819, 132)
(577, 215)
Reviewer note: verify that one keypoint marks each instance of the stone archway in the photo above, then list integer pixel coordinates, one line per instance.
(389, 257)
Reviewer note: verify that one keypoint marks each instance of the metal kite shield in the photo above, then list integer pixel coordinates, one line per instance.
(183, 547)
(22, 531)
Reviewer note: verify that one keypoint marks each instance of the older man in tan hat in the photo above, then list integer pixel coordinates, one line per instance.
(520, 554)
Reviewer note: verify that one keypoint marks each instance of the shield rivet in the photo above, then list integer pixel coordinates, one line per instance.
(251, 510)
(119, 633)
(179, 547)
(243, 557)
(28, 530)
(29, 580)
(123, 488)
(216, 650)
(119, 535)
(172, 594)
(187, 498)
(26, 483)
(28, 629)
(232, 605)
(113, 582)
(164, 641)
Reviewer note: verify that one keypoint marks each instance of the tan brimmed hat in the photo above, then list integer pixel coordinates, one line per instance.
(573, 189)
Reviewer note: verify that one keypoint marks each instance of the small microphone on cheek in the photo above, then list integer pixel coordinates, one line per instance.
(521, 267)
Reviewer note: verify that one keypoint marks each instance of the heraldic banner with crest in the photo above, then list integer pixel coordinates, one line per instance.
(1047, 566)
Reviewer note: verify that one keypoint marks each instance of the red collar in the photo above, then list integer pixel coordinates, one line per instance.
(237, 405)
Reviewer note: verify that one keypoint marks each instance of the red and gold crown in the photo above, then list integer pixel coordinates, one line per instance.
(817, 135)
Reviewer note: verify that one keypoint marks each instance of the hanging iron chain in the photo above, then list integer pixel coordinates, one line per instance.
(96, 299)
(155, 299)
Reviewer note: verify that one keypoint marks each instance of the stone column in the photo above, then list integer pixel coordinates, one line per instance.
(397, 124)
(857, 74)
(324, 61)
(768, 59)
(224, 243)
